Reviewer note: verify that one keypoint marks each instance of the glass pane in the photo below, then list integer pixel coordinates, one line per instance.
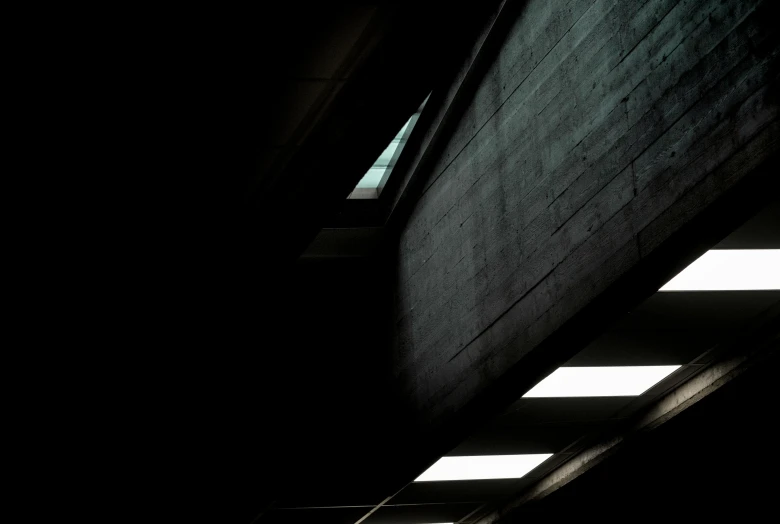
(384, 164)
(372, 178)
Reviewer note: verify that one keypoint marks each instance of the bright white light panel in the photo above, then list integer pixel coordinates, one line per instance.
(482, 467)
(603, 381)
(730, 270)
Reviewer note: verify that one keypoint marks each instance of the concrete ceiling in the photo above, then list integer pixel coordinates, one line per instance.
(687, 328)
(324, 69)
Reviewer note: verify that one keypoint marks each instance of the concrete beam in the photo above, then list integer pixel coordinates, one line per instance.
(606, 145)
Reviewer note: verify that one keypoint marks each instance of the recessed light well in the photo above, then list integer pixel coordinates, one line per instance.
(606, 381)
(482, 467)
(730, 270)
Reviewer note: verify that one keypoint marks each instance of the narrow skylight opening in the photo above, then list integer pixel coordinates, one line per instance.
(370, 186)
(730, 270)
(482, 467)
(606, 381)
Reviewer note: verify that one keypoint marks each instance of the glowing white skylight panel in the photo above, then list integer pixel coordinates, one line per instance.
(386, 157)
(372, 177)
(482, 467)
(730, 270)
(372, 182)
(603, 381)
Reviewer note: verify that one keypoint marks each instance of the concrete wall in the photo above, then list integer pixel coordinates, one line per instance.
(600, 129)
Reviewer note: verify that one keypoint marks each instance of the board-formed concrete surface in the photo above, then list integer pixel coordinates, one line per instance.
(599, 130)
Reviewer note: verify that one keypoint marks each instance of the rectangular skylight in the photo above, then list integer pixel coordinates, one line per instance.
(730, 270)
(482, 467)
(372, 182)
(606, 381)
(372, 177)
(376, 172)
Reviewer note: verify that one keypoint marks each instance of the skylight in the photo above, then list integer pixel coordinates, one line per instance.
(730, 270)
(607, 381)
(374, 180)
(482, 467)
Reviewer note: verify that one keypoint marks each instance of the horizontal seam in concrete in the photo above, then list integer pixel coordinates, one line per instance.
(542, 279)
(641, 40)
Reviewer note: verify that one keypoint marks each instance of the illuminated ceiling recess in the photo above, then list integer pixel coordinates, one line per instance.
(372, 183)
(730, 270)
(603, 381)
(482, 467)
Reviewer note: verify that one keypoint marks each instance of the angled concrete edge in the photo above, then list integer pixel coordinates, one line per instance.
(743, 353)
